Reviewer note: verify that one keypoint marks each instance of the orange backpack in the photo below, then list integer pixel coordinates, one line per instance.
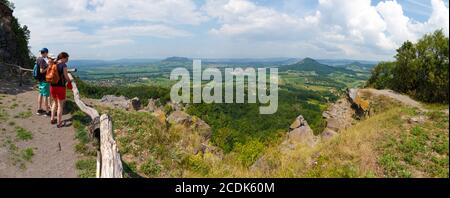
(52, 76)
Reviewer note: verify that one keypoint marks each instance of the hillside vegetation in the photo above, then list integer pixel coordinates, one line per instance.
(391, 143)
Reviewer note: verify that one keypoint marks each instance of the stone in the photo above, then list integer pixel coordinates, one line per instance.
(299, 121)
(135, 104)
(418, 120)
(328, 134)
(302, 135)
(175, 106)
(202, 128)
(333, 124)
(116, 102)
(152, 105)
(180, 117)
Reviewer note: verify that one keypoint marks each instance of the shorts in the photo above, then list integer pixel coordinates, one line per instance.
(58, 92)
(44, 89)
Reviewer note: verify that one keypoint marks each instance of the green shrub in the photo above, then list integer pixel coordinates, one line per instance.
(249, 152)
(151, 168)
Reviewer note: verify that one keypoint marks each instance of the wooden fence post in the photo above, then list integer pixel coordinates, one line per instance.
(111, 166)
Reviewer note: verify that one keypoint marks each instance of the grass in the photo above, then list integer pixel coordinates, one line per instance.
(27, 154)
(17, 156)
(23, 134)
(3, 114)
(25, 115)
(14, 105)
(85, 169)
(418, 150)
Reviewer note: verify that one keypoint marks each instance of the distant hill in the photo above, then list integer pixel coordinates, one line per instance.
(309, 64)
(340, 62)
(358, 64)
(105, 63)
(264, 61)
(177, 59)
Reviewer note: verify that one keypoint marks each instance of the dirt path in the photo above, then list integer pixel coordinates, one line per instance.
(49, 153)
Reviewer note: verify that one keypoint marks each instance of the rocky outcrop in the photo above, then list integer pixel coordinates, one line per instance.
(192, 122)
(202, 128)
(338, 117)
(175, 106)
(301, 133)
(152, 105)
(13, 49)
(179, 117)
(121, 102)
(135, 104)
(115, 102)
(7, 42)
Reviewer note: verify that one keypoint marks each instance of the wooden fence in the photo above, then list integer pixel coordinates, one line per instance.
(109, 163)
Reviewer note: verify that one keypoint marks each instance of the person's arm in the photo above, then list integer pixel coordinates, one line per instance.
(42, 67)
(66, 75)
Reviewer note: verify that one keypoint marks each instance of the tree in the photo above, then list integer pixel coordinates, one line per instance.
(20, 37)
(420, 70)
(382, 75)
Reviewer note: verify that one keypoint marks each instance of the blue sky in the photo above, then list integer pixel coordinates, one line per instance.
(114, 29)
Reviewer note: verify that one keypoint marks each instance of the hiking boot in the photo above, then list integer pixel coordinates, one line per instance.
(40, 112)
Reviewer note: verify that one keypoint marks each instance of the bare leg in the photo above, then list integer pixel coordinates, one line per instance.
(60, 110)
(47, 107)
(50, 101)
(54, 107)
(40, 102)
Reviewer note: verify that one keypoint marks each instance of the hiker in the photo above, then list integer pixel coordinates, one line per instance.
(58, 88)
(44, 87)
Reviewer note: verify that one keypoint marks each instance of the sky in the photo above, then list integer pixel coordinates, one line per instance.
(331, 29)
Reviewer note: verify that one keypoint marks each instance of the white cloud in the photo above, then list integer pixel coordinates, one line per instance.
(338, 27)
(334, 29)
(101, 23)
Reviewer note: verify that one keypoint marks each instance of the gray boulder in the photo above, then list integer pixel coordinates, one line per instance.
(180, 117)
(115, 102)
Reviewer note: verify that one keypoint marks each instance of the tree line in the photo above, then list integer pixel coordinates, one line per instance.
(419, 70)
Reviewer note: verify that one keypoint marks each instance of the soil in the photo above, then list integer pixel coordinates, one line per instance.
(53, 149)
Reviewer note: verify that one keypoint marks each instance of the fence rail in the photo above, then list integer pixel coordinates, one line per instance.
(109, 163)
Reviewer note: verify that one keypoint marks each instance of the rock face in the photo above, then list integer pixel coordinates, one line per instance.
(203, 128)
(152, 105)
(338, 117)
(12, 50)
(179, 117)
(301, 132)
(175, 106)
(198, 125)
(135, 104)
(116, 102)
(7, 42)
